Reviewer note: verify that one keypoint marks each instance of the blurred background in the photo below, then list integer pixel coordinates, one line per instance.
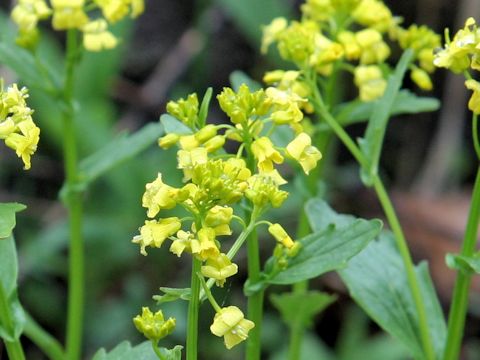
(178, 47)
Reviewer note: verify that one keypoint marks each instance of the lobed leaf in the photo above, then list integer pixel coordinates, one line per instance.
(143, 351)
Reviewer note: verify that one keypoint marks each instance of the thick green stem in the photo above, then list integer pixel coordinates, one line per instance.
(193, 307)
(14, 348)
(409, 267)
(73, 202)
(255, 301)
(46, 342)
(458, 309)
(392, 220)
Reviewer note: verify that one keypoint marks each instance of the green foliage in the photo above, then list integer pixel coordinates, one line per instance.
(173, 125)
(143, 351)
(299, 309)
(376, 279)
(467, 264)
(237, 78)
(371, 144)
(172, 294)
(7, 218)
(203, 112)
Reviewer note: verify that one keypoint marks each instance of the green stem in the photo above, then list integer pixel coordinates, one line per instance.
(74, 205)
(207, 291)
(392, 220)
(46, 342)
(14, 348)
(458, 309)
(193, 307)
(476, 142)
(157, 351)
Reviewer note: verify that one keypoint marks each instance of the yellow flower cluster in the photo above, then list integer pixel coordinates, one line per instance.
(153, 326)
(74, 14)
(461, 54)
(341, 31)
(215, 181)
(17, 128)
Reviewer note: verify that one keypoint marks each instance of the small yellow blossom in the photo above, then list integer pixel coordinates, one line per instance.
(318, 10)
(214, 143)
(27, 13)
(373, 49)
(219, 268)
(297, 42)
(206, 133)
(301, 149)
(185, 241)
(262, 189)
(24, 143)
(208, 246)
(266, 154)
(242, 105)
(271, 32)
(68, 14)
(369, 79)
(230, 323)
(185, 110)
(115, 10)
(277, 231)
(326, 52)
(187, 160)
(158, 196)
(351, 48)
(474, 102)
(219, 218)
(154, 233)
(153, 326)
(285, 106)
(421, 78)
(96, 37)
(374, 14)
(167, 141)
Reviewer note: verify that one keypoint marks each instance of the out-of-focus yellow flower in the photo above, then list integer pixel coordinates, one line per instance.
(27, 13)
(158, 196)
(301, 149)
(297, 42)
(271, 32)
(318, 10)
(185, 241)
(374, 14)
(370, 82)
(279, 233)
(219, 218)
(68, 14)
(373, 49)
(456, 54)
(266, 154)
(421, 78)
(219, 268)
(230, 323)
(326, 52)
(262, 190)
(474, 102)
(115, 10)
(153, 326)
(351, 48)
(96, 36)
(154, 233)
(208, 246)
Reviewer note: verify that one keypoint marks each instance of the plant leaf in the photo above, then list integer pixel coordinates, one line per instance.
(376, 279)
(468, 264)
(173, 125)
(299, 309)
(406, 102)
(143, 351)
(203, 112)
(120, 149)
(237, 78)
(371, 144)
(7, 218)
(172, 294)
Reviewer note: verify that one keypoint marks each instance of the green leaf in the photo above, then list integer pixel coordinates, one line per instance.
(172, 294)
(173, 125)
(203, 112)
(405, 102)
(372, 144)
(7, 218)
(467, 264)
(299, 309)
(321, 216)
(8, 282)
(376, 279)
(237, 78)
(143, 351)
(122, 148)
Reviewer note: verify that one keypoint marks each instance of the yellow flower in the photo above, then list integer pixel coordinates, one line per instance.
(301, 149)
(154, 233)
(158, 196)
(285, 106)
(374, 14)
(421, 78)
(374, 49)
(474, 102)
(350, 45)
(219, 218)
(27, 13)
(326, 52)
(153, 326)
(318, 10)
(187, 160)
(219, 268)
(208, 246)
(271, 32)
(185, 241)
(188, 142)
(115, 10)
(277, 231)
(262, 189)
(266, 154)
(68, 14)
(206, 133)
(242, 105)
(167, 141)
(96, 37)
(25, 143)
(297, 42)
(214, 143)
(185, 110)
(370, 81)
(423, 41)
(230, 323)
